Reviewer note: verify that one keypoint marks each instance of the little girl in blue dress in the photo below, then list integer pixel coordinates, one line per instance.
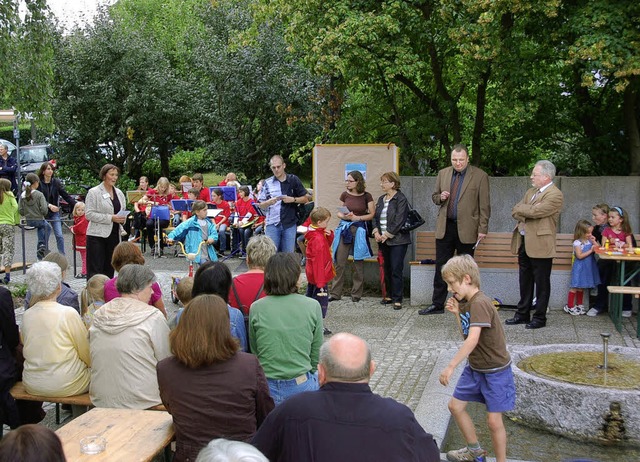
(584, 272)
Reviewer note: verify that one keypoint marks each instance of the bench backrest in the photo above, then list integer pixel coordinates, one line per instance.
(495, 250)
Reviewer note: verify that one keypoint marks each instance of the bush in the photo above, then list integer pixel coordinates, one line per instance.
(187, 162)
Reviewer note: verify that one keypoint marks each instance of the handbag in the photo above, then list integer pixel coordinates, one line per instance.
(368, 224)
(413, 221)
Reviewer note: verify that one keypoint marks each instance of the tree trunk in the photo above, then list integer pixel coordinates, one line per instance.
(631, 106)
(478, 128)
(163, 150)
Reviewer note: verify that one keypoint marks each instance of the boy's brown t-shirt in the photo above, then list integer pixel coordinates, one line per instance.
(490, 354)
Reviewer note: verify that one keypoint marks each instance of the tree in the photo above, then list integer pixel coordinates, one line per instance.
(26, 70)
(116, 89)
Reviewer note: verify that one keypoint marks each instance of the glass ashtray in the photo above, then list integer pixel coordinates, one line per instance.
(93, 445)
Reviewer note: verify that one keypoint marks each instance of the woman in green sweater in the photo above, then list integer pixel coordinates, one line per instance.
(285, 330)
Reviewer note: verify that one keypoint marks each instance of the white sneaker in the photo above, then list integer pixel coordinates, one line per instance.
(626, 314)
(581, 309)
(573, 311)
(593, 312)
(466, 455)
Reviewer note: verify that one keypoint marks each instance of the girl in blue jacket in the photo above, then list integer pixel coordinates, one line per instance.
(193, 231)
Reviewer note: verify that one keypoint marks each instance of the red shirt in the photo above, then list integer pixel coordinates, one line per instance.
(242, 208)
(247, 285)
(226, 212)
(204, 195)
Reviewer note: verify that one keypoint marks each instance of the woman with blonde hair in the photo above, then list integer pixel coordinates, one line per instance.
(227, 396)
(160, 197)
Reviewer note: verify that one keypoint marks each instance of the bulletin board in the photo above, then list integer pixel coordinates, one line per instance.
(332, 163)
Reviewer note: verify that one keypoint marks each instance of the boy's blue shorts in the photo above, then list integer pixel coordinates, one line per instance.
(496, 390)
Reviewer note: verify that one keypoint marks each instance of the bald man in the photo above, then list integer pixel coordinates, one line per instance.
(344, 420)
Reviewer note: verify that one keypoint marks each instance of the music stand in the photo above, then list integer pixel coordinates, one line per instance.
(159, 212)
(182, 205)
(134, 196)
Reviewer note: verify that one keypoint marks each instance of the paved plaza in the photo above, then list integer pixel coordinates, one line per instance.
(410, 350)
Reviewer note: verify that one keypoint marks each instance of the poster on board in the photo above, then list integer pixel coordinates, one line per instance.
(333, 162)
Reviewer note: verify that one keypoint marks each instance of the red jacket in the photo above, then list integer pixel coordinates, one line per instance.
(319, 267)
(79, 230)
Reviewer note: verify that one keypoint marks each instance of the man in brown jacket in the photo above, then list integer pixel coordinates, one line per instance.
(462, 193)
(534, 241)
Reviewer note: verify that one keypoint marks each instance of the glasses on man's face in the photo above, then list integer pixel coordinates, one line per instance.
(276, 167)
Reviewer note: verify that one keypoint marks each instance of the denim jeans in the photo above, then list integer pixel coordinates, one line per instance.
(41, 227)
(222, 237)
(282, 389)
(284, 238)
(241, 237)
(56, 224)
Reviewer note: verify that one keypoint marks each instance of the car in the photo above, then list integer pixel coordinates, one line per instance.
(33, 155)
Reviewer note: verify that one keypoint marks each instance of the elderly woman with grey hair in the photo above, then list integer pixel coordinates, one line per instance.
(248, 287)
(127, 338)
(221, 450)
(56, 349)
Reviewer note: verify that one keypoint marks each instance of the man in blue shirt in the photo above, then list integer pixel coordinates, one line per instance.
(280, 196)
(344, 420)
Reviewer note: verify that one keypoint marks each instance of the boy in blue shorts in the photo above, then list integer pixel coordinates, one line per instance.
(487, 376)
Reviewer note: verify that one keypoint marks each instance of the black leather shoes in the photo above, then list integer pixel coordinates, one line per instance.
(386, 301)
(433, 309)
(355, 299)
(332, 299)
(516, 320)
(535, 324)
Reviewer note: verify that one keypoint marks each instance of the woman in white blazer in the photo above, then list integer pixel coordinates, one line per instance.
(103, 234)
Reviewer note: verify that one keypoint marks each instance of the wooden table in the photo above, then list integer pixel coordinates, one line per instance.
(131, 434)
(623, 277)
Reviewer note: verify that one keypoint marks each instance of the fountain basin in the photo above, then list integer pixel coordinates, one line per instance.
(572, 410)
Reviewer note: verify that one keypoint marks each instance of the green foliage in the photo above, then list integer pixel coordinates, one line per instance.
(18, 290)
(188, 162)
(26, 68)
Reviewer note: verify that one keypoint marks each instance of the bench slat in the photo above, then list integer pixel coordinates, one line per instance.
(624, 290)
(495, 250)
(19, 392)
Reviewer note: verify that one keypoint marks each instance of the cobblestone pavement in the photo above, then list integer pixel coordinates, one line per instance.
(407, 348)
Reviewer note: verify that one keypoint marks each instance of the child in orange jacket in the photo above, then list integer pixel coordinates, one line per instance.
(319, 267)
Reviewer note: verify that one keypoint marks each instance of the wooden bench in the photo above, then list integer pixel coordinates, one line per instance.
(19, 392)
(498, 265)
(494, 251)
(619, 291)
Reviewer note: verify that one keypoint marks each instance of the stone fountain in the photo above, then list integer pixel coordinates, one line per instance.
(565, 389)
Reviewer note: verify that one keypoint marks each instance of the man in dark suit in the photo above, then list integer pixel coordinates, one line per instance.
(534, 241)
(462, 193)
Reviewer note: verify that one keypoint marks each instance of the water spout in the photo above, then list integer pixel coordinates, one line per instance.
(605, 350)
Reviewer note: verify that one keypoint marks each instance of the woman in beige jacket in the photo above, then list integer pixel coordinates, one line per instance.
(103, 234)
